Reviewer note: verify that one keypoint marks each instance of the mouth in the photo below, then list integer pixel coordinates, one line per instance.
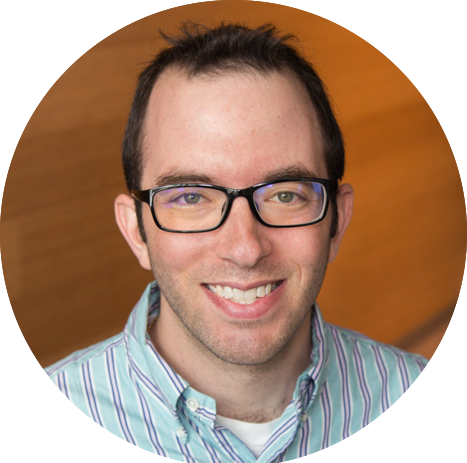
(241, 296)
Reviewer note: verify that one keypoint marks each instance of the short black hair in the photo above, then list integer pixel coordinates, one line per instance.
(200, 50)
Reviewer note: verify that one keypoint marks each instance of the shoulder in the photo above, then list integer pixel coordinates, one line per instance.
(92, 354)
(374, 357)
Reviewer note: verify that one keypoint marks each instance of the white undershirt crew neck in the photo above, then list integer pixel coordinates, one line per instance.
(253, 435)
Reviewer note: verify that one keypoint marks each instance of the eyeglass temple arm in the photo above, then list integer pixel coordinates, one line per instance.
(143, 196)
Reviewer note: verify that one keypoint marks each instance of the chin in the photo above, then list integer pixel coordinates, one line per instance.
(247, 347)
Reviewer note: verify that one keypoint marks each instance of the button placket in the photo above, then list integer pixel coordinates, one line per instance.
(182, 434)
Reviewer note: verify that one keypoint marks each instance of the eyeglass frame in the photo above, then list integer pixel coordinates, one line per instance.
(147, 196)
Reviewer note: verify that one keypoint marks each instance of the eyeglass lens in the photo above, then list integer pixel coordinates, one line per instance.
(201, 208)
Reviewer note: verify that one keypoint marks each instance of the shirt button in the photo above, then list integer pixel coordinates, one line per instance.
(181, 433)
(192, 404)
(303, 417)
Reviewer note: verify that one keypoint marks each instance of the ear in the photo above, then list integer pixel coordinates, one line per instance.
(344, 210)
(127, 221)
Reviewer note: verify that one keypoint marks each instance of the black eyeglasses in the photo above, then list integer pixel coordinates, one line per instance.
(196, 208)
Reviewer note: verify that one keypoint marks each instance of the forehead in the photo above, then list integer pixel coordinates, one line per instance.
(232, 128)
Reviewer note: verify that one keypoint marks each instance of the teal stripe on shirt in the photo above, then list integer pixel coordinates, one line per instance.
(127, 387)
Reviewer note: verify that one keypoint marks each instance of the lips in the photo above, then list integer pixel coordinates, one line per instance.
(252, 301)
(243, 296)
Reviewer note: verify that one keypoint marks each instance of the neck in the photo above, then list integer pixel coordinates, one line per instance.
(252, 393)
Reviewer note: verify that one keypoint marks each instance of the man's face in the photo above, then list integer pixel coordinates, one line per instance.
(235, 131)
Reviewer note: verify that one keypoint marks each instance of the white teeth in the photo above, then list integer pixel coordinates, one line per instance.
(228, 292)
(219, 290)
(238, 294)
(243, 297)
(250, 295)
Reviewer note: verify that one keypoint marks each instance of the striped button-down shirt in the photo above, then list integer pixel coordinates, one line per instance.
(126, 386)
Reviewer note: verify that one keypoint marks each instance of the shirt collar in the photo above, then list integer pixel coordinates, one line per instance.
(310, 382)
(148, 367)
(160, 379)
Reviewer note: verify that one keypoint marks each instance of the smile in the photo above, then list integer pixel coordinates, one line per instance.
(243, 297)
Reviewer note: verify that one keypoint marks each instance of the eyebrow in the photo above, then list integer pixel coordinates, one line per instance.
(296, 171)
(177, 177)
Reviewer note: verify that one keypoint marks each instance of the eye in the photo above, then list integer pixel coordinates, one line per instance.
(192, 198)
(182, 198)
(285, 197)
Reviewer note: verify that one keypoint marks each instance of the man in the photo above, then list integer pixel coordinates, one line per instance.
(233, 156)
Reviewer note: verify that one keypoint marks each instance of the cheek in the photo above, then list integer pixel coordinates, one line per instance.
(305, 247)
(175, 252)
(304, 237)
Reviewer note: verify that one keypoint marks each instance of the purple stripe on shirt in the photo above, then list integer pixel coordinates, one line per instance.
(320, 337)
(174, 378)
(91, 398)
(73, 359)
(304, 439)
(153, 436)
(117, 399)
(278, 433)
(326, 404)
(384, 378)
(151, 386)
(345, 383)
(362, 382)
(213, 457)
(226, 444)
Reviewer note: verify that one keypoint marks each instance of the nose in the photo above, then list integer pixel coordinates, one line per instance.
(242, 239)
